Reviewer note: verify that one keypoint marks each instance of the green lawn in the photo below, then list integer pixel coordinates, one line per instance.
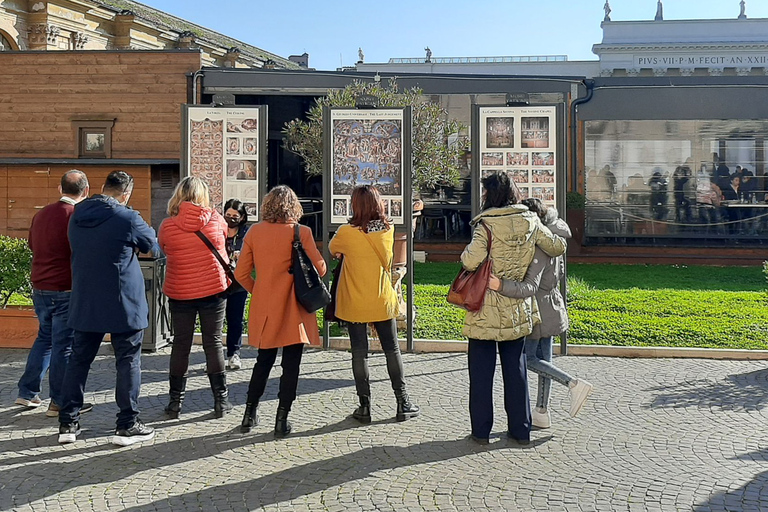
(632, 305)
(640, 305)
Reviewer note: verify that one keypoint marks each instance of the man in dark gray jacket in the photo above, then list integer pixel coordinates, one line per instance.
(107, 297)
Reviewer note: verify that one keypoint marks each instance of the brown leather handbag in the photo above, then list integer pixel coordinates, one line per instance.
(469, 288)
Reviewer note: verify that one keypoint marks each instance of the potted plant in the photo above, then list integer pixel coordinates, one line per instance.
(18, 323)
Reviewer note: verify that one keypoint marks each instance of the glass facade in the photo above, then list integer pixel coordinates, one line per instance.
(691, 182)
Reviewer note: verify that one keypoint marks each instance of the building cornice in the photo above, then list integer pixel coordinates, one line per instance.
(598, 48)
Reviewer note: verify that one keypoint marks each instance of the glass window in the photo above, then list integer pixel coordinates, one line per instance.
(5, 44)
(690, 182)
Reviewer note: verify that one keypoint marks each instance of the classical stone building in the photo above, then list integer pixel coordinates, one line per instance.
(120, 25)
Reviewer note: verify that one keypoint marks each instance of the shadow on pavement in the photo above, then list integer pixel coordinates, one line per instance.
(107, 463)
(751, 496)
(745, 391)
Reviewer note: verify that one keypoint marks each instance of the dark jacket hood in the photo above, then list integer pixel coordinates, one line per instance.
(95, 211)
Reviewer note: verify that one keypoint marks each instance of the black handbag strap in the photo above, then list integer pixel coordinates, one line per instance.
(297, 236)
(224, 264)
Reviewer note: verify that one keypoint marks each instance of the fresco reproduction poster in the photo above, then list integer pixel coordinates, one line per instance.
(520, 141)
(224, 149)
(366, 149)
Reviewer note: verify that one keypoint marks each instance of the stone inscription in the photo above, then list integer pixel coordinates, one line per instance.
(701, 60)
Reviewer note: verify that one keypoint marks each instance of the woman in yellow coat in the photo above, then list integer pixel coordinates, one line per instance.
(365, 295)
(275, 318)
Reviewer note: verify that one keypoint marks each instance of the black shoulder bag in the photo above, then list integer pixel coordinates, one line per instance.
(224, 264)
(330, 311)
(310, 289)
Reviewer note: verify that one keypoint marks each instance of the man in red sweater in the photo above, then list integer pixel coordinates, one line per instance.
(51, 289)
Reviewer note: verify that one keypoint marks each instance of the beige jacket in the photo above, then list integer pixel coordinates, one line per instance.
(516, 233)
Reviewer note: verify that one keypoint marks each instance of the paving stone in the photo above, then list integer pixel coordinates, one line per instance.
(656, 434)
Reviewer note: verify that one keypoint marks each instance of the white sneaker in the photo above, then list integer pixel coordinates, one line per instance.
(579, 392)
(31, 402)
(235, 363)
(540, 417)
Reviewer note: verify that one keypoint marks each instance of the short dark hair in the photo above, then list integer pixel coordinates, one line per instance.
(499, 191)
(238, 205)
(74, 183)
(118, 182)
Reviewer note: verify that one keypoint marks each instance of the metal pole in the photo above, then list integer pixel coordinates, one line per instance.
(408, 211)
(327, 184)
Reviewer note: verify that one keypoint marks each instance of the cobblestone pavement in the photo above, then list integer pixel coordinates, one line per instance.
(655, 435)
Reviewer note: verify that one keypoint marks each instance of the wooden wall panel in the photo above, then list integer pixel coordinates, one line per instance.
(42, 93)
(3, 200)
(31, 187)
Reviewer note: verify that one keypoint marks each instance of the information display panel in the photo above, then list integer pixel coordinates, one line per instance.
(226, 146)
(368, 147)
(522, 142)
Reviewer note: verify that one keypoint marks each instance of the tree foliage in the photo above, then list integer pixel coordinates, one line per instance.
(438, 142)
(15, 268)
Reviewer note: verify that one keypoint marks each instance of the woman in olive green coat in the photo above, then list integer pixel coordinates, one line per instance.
(503, 322)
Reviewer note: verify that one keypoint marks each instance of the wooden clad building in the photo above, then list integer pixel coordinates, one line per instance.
(97, 85)
(93, 111)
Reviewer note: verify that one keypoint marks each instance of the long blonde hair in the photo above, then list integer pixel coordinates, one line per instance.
(192, 189)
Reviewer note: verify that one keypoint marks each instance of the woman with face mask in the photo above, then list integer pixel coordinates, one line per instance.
(236, 217)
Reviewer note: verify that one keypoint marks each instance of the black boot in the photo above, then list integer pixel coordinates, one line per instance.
(405, 409)
(250, 418)
(176, 392)
(363, 413)
(221, 404)
(282, 425)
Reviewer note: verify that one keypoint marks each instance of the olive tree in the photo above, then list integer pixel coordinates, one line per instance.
(438, 143)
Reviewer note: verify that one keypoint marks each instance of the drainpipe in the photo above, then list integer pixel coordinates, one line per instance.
(590, 85)
(197, 74)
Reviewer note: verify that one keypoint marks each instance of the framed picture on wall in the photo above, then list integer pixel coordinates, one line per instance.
(93, 138)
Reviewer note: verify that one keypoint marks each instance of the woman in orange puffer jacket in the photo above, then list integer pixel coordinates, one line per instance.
(195, 283)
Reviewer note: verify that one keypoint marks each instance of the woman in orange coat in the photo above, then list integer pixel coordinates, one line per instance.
(275, 318)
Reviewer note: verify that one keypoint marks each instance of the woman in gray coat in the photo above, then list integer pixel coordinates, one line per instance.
(541, 280)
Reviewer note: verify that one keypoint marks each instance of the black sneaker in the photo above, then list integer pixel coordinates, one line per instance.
(138, 433)
(68, 432)
(87, 407)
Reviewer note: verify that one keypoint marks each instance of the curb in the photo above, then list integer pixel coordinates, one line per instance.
(438, 346)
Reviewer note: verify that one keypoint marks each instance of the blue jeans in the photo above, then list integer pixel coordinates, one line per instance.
(127, 346)
(52, 346)
(539, 356)
(482, 365)
(235, 310)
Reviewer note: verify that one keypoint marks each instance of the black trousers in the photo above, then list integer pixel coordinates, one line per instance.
(183, 314)
(358, 339)
(482, 366)
(289, 381)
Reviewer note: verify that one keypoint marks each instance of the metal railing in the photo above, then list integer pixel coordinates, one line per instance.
(480, 60)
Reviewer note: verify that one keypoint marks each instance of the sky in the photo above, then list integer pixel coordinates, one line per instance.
(331, 31)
